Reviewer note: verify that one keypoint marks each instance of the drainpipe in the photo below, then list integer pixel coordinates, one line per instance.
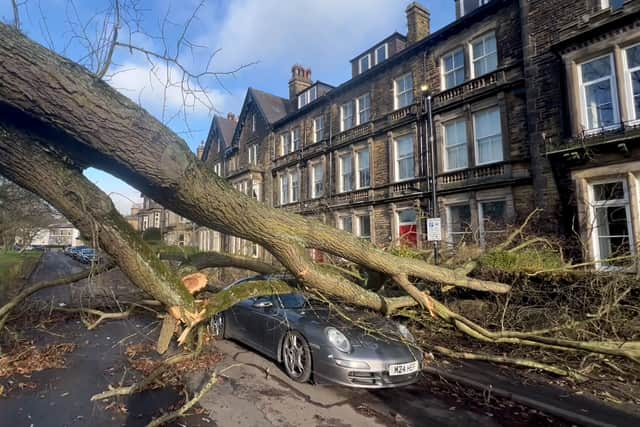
(434, 194)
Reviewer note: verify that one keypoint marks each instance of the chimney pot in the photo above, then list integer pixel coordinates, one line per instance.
(300, 80)
(231, 117)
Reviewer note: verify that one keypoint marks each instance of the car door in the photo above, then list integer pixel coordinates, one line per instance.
(258, 322)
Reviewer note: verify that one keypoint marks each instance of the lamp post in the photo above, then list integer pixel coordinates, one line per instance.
(431, 159)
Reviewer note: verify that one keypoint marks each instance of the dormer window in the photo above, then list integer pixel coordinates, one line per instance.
(307, 96)
(613, 4)
(468, 6)
(381, 53)
(364, 63)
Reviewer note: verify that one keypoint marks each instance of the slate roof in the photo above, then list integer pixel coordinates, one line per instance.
(225, 127)
(272, 107)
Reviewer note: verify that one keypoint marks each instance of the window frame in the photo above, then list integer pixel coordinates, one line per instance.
(369, 65)
(397, 94)
(482, 233)
(472, 64)
(359, 110)
(475, 136)
(444, 73)
(356, 160)
(352, 116)
(634, 116)
(593, 205)
(295, 146)
(341, 220)
(451, 233)
(341, 181)
(479, 2)
(396, 159)
(386, 53)
(445, 151)
(312, 177)
(584, 121)
(319, 119)
(284, 191)
(359, 216)
(399, 224)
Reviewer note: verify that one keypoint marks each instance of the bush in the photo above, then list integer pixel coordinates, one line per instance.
(152, 235)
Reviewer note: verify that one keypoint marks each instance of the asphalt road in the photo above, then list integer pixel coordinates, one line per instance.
(256, 392)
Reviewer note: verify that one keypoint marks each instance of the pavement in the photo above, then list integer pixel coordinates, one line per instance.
(256, 392)
(550, 399)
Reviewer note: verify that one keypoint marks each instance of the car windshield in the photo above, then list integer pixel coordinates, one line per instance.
(292, 301)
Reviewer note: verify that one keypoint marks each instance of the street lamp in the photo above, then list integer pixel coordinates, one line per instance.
(431, 158)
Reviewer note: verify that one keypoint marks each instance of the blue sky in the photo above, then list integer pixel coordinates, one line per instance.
(271, 35)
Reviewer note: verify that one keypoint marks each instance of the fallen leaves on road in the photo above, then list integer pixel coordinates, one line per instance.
(25, 360)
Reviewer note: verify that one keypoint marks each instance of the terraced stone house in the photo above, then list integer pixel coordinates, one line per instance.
(501, 111)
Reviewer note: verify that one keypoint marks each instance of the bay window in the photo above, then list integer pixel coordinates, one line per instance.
(404, 163)
(488, 136)
(484, 55)
(632, 58)
(455, 143)
(599, 104)
(453, 69)
(403, 91)
(363, 179)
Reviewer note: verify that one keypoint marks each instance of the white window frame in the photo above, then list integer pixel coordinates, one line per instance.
(634, 116)
(358, 227)
(318, 131)
(253, 154)
(593, 205)
(295, 147)
(256, 190)
(386, 53)
(341, 180)
(473, 61)
(294, 173)
(450, 232)
(285, 143)
(614, 96)
(356, 161)
(360, 110)
(445, 151)
(445, 73)
(253, 122)
(308, 96)
(312, 179)
(397, 94)
(341, 219)
(353, 115)
(284, 191)
(396, 159)
(480, 3)
(363, 57)
(475, 137)
(398, 236)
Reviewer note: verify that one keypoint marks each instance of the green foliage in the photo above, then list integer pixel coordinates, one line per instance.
(407, 252)
(526, 260)
(152, 235)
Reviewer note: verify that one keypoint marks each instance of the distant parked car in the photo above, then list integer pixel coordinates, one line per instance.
(87, 255)
(311, 340)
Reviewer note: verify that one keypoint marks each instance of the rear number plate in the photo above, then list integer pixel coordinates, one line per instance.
(403, 368)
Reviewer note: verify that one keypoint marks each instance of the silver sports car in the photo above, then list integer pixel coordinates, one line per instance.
(313, 341)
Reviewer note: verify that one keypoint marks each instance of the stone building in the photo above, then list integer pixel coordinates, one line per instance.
(534, 103)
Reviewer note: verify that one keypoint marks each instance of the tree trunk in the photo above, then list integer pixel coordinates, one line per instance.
(101, 128)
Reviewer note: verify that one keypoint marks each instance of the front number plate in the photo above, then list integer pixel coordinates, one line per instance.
(403, 368)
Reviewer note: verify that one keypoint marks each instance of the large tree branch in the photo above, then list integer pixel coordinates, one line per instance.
(204, 260)
(110, 132)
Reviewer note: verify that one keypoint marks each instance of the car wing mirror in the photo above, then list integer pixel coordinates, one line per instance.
(262, 304)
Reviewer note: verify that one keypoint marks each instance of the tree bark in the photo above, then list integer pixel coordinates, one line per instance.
(105, 129)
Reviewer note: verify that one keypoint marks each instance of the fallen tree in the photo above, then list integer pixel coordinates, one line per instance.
(57, 119)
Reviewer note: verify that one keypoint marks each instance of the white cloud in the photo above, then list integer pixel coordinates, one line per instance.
(162, 90)
(323, 34)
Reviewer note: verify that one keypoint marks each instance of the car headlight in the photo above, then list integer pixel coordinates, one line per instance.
(404, 331)
(338, 340)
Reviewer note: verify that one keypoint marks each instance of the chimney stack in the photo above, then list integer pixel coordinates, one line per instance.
(231, 117)
(418, 22)
(300, 80)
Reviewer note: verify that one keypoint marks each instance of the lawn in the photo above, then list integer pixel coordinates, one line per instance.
(15, 267)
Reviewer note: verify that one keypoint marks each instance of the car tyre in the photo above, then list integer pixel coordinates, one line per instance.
(218, 326)
(296, 357)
